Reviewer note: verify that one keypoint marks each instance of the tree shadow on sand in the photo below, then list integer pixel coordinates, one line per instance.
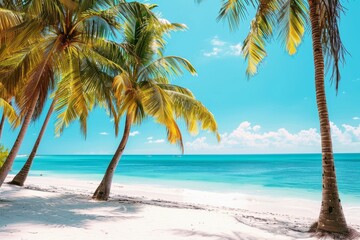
(59, 209)
(221, 236)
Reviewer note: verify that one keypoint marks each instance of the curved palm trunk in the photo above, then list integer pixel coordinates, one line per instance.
(14, 150)
(2, 124)
(20, 178)
(103, 191)
(331, 217)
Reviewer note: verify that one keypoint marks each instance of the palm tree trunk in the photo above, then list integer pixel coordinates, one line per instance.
(331, 217)
(2, 124)
(103, 191)
(15, 149)
(20, 178)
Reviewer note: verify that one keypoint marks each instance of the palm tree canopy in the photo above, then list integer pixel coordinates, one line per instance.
(290, 19)
(59, 45)
(143, 87)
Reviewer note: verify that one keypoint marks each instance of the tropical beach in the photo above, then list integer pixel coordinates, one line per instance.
(154, 199)
(61, 208)
(188, 119)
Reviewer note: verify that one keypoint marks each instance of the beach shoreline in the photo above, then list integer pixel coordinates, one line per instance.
(47, 204)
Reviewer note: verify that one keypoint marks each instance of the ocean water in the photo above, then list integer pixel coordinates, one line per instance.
(293, 174)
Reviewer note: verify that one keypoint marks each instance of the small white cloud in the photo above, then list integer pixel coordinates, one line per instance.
(356, 118)
(133, 134)
(215, 52)
(217, 42)
(151, 140)
(222, 48)
(104, 133)
(236, 50)
(197, 144)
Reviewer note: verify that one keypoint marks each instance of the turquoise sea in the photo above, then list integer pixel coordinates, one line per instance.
(293, 174)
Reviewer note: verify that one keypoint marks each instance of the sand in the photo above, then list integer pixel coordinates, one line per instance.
(52, 208)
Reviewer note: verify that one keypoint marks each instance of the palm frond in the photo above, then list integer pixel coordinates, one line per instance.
(261, 29)
(71, 103)
(175, 88)
(193, 112)
(333, 47)
(293, 19)
(167, 66)
(9, 112)
(234, 10)
(253, 51)
(9, 19)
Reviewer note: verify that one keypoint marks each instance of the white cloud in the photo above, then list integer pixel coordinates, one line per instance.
(236, 50)
(104, 133)
(222, 48)
(133, 134)
(198, 144)
(215, 52)
(356, 118)
(247, 138)
(152, 140)
(217, 42)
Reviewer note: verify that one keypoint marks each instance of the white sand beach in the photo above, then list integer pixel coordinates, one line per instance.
(60, 208)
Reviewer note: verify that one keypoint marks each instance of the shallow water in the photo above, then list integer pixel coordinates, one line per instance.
(297, 174)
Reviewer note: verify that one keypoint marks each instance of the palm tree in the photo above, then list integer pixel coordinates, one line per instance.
(143, 88)
(292, 17)
(55, 40)
(20, 178)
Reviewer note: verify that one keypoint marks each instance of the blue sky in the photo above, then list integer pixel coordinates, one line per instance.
(273, 112)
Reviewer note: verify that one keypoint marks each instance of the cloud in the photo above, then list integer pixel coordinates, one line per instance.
(151, 140)
(356, 118)
(222, 48)
(198, 144)
(215, 52)
(217, 42)
(247, 138)
(104, 133)
(133, 134)
(236, 50)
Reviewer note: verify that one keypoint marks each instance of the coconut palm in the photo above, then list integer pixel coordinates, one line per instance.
(292, 17)
(55, 40)
(143, 88)
(20, 178)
